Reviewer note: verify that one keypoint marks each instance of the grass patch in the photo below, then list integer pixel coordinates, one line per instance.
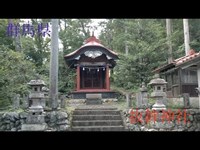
(121, 105)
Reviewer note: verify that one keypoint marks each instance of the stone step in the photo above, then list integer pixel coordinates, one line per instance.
(93, 101)
(96, 117)
(96, 108)
(98, 128)
(96, 112)
(97, 123)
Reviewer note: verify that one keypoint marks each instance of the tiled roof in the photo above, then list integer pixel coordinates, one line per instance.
(91, 41)
(192, 55)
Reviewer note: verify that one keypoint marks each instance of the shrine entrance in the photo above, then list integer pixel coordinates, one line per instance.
(93, 77)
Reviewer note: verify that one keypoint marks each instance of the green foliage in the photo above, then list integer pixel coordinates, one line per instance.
(72, 34)
(37, 48)
(5, 40)
(194, 29)
(147, 47)
(15, 72)
(146, 41)
(66, 76)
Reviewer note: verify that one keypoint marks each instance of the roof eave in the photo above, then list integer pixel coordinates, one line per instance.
(164, 67)
(74, 53)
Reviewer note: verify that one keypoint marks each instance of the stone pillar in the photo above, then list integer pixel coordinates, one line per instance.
(186, 100)
(53, 78)
(25, 101)
(78, 78)
(128, 100)
(107, 78)
(138, 99)
(141, 97)
(144, 94)
(45, 101)
(16, 101)
(63, 102)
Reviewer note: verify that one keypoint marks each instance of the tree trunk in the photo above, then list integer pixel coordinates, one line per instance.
(169, 30)
(54, 66)
(126, 45)
(83, 28)
(126, 53)
(186, 36)
(16, 41)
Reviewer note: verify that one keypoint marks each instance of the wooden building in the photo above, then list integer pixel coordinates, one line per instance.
(181, 75)
(93, 62)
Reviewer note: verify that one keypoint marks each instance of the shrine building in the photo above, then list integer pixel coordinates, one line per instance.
(92, 62)
(181, 75)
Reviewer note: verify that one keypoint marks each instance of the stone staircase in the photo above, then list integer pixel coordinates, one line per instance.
(97, 119)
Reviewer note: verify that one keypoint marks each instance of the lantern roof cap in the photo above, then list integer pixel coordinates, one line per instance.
(157, 80)
(36, 82)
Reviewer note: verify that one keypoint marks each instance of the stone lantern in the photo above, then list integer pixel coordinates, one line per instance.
(36, 96)
(35, 119)
(158, 93)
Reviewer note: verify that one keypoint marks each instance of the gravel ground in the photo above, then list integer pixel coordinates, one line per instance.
(120, 105)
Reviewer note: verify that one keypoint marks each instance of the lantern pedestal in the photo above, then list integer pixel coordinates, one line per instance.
(34, 122)
(159, 106)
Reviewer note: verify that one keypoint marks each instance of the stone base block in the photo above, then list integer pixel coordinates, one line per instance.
(93, 96)
(35, 119)
(34, 127)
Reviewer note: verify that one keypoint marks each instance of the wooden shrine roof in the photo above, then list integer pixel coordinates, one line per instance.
(91, 42)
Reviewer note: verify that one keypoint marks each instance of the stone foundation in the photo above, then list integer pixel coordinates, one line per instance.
(82, 95)
(184, 120)
(55, 121)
